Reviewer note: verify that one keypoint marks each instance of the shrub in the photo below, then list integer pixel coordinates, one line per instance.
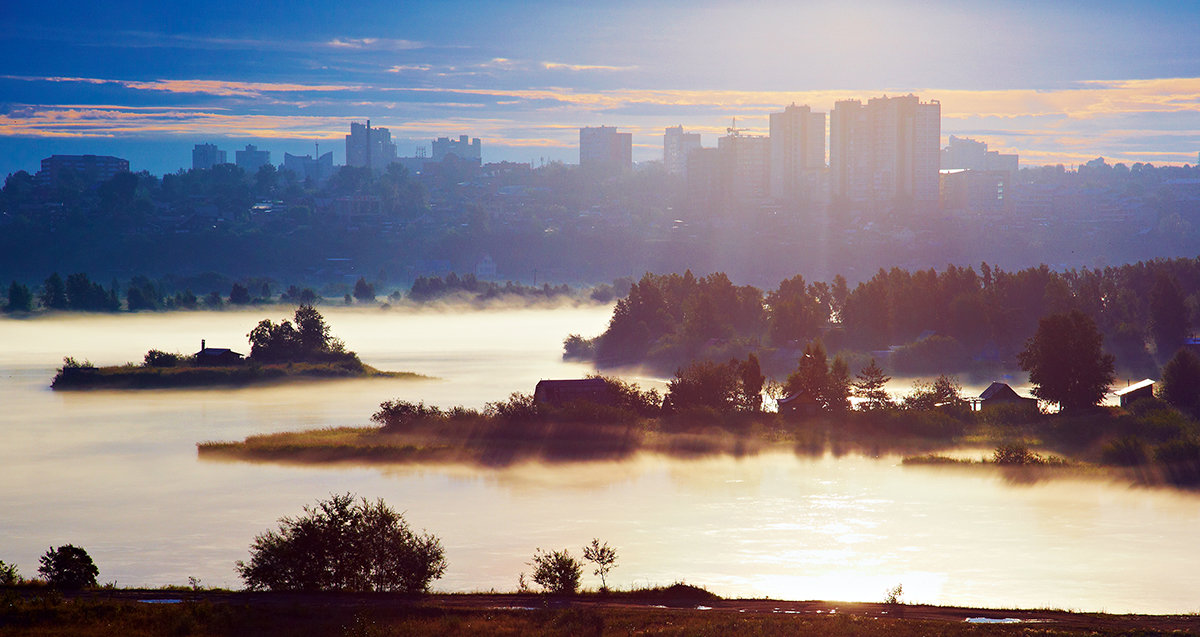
(68, 567)
(1016, 454)
(556, 572)
(1128, 451)
(159, 358)
(344, 543)
(399, 414)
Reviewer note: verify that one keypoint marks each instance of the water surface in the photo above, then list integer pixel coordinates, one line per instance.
(117, 473)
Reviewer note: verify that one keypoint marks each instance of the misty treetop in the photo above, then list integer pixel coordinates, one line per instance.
(933, 320)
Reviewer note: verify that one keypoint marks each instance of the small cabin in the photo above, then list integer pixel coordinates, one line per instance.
(1135, 392)
(561, 392)
(216, 356)
(998, 394)
(799, 403)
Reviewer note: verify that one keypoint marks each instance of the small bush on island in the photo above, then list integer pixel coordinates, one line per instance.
(347, 544)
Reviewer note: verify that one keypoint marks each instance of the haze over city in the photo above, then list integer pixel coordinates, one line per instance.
(1055, 83)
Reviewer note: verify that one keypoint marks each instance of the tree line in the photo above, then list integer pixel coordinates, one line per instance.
(931, 320)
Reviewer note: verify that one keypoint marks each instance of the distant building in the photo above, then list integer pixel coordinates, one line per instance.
(797, 153)
(745, 166)
(251, 158)
(976, 191)
(972, 155)
(369, 147)
(307, 168)
(677, 145)
(705, 181)
(605, 151)
(205, 156)
(216, 356)
(998, 394)
(92, 169)
(885, 152)
(462, 148)
(1135, 392)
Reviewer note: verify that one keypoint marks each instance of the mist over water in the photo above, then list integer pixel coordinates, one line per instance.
(117, 473)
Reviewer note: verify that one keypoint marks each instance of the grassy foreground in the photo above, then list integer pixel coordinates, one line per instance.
(137, 613)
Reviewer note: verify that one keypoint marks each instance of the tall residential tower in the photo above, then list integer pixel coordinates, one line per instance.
(885, 153)
(797, 154)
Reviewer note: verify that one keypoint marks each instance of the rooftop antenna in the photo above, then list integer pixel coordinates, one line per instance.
(734, 130)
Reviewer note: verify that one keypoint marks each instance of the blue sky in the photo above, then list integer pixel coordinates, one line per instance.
(1056, 82)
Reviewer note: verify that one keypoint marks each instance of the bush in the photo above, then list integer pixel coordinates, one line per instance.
(159, 358)
(556, 572)
(68, 567)
(1016, 454)
(344, 543)
(1129, 451)
(399, 414)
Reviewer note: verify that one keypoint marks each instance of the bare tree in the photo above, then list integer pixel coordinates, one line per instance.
(604, 557)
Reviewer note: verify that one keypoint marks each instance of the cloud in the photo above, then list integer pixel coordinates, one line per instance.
(556, 66)
(222, 88)
(374, 44)
(400, 68)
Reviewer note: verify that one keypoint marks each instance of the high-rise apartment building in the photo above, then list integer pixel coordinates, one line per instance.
(797, 153)
(605, 151)
(677, 145)
(251, 158)
(205, 156)
(92, 169)
(371, 147)
(885, 152)
(746, 166)
(463, 148)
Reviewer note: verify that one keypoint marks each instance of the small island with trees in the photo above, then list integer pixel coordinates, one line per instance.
(278, 352)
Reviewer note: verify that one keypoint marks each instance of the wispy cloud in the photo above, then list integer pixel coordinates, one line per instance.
(374, 44)
(559, 66)
(223, 88)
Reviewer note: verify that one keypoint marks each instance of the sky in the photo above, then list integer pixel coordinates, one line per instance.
(1056, 82)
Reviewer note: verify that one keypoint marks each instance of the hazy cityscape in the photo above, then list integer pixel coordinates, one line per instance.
(671, 318)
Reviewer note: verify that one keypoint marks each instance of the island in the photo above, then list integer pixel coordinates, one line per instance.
(279, 352)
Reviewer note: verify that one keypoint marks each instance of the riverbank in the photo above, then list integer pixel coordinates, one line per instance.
(142, 377)
(107, 612)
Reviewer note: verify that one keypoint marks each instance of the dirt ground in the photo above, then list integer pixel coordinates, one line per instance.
(1187, 624)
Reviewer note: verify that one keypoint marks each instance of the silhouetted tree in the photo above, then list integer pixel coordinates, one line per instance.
(239, 295)
(603, 556)
(363, 291)
(344, 543)
(68, 567)
(869, 386)
(750, 398)
(556, 572)
(1168, 314)
(54, 293)
(20, 299)
(1066, 363)
(1181, 382)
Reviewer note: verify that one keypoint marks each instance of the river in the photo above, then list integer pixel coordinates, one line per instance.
(118, 473)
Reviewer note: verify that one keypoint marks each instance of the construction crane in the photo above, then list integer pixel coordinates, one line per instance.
(734, 130)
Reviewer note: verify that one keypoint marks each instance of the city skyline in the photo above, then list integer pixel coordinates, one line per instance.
(1054, 84)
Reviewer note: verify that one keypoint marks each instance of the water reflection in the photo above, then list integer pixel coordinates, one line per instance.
(117, 473)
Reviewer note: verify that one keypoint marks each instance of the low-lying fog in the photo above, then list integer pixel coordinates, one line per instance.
(117, 473)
